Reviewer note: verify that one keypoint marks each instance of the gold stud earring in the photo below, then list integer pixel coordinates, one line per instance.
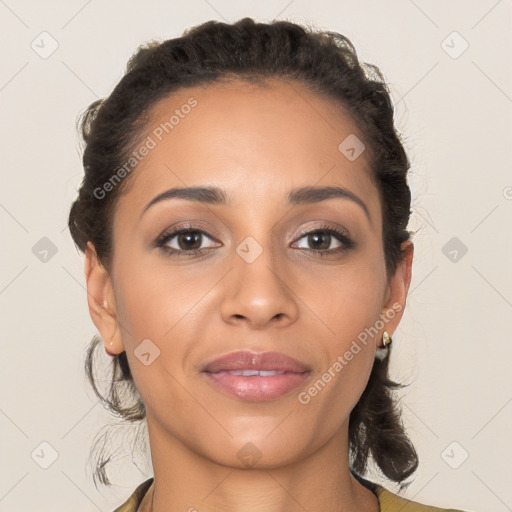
(382, 352)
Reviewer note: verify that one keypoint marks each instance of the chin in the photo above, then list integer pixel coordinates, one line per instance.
(256, 451)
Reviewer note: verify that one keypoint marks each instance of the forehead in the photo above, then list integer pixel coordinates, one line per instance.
(252, 139)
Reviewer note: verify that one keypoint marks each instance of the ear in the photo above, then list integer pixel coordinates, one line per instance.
(398, 287)
(101, 301)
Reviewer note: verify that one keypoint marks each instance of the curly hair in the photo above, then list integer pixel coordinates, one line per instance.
(328, 64)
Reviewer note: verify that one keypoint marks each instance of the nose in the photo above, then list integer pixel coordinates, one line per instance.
(258, 294)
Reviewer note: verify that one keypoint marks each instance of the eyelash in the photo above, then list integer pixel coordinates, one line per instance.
(169, 235)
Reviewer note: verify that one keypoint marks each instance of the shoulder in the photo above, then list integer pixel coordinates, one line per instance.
(390, 502)
(133, 502)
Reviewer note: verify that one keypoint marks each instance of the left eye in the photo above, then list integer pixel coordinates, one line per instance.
(186, 241)
(320, 241)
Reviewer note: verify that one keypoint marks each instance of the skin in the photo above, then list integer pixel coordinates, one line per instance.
(256, 143)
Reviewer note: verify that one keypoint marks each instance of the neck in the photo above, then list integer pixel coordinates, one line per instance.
(184, 480)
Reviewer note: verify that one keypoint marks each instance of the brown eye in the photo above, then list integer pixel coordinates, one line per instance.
(325, 240)
(319, 241)
(184, 241)
(190, 240)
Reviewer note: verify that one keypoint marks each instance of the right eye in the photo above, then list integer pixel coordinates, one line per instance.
(184, 241)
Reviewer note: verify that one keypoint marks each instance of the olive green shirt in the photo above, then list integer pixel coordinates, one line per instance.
(388, 501)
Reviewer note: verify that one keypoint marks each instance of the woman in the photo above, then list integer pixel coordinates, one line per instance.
(244, 219)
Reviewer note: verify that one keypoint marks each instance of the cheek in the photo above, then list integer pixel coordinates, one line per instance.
(349, 307)
(347, 300)
(152, 306)
(155, 303)
(148, 297)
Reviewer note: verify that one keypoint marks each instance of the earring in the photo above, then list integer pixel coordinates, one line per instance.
(382, 352)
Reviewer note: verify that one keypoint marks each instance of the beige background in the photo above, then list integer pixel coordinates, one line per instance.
(454, 343)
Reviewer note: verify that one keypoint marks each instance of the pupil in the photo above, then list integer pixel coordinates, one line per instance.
(186, 238)
(313, 240)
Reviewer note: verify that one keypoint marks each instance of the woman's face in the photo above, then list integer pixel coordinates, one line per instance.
(256, 285)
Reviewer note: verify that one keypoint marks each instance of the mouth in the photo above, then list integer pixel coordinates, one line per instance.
(256, 376)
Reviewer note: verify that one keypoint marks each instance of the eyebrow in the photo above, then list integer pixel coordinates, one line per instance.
(217, 196)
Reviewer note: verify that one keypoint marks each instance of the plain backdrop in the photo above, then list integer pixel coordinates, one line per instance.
(448, 66)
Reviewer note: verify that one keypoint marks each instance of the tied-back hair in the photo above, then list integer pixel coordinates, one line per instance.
(325, 62)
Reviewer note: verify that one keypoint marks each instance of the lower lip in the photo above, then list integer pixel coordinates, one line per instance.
(256, 388)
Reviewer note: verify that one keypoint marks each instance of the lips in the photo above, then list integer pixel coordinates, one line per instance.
(256, 376)
(264, 361)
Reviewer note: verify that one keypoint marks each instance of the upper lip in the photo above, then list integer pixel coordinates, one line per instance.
(247, 360)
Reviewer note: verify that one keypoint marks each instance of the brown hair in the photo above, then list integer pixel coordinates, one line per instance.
(327, 63)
